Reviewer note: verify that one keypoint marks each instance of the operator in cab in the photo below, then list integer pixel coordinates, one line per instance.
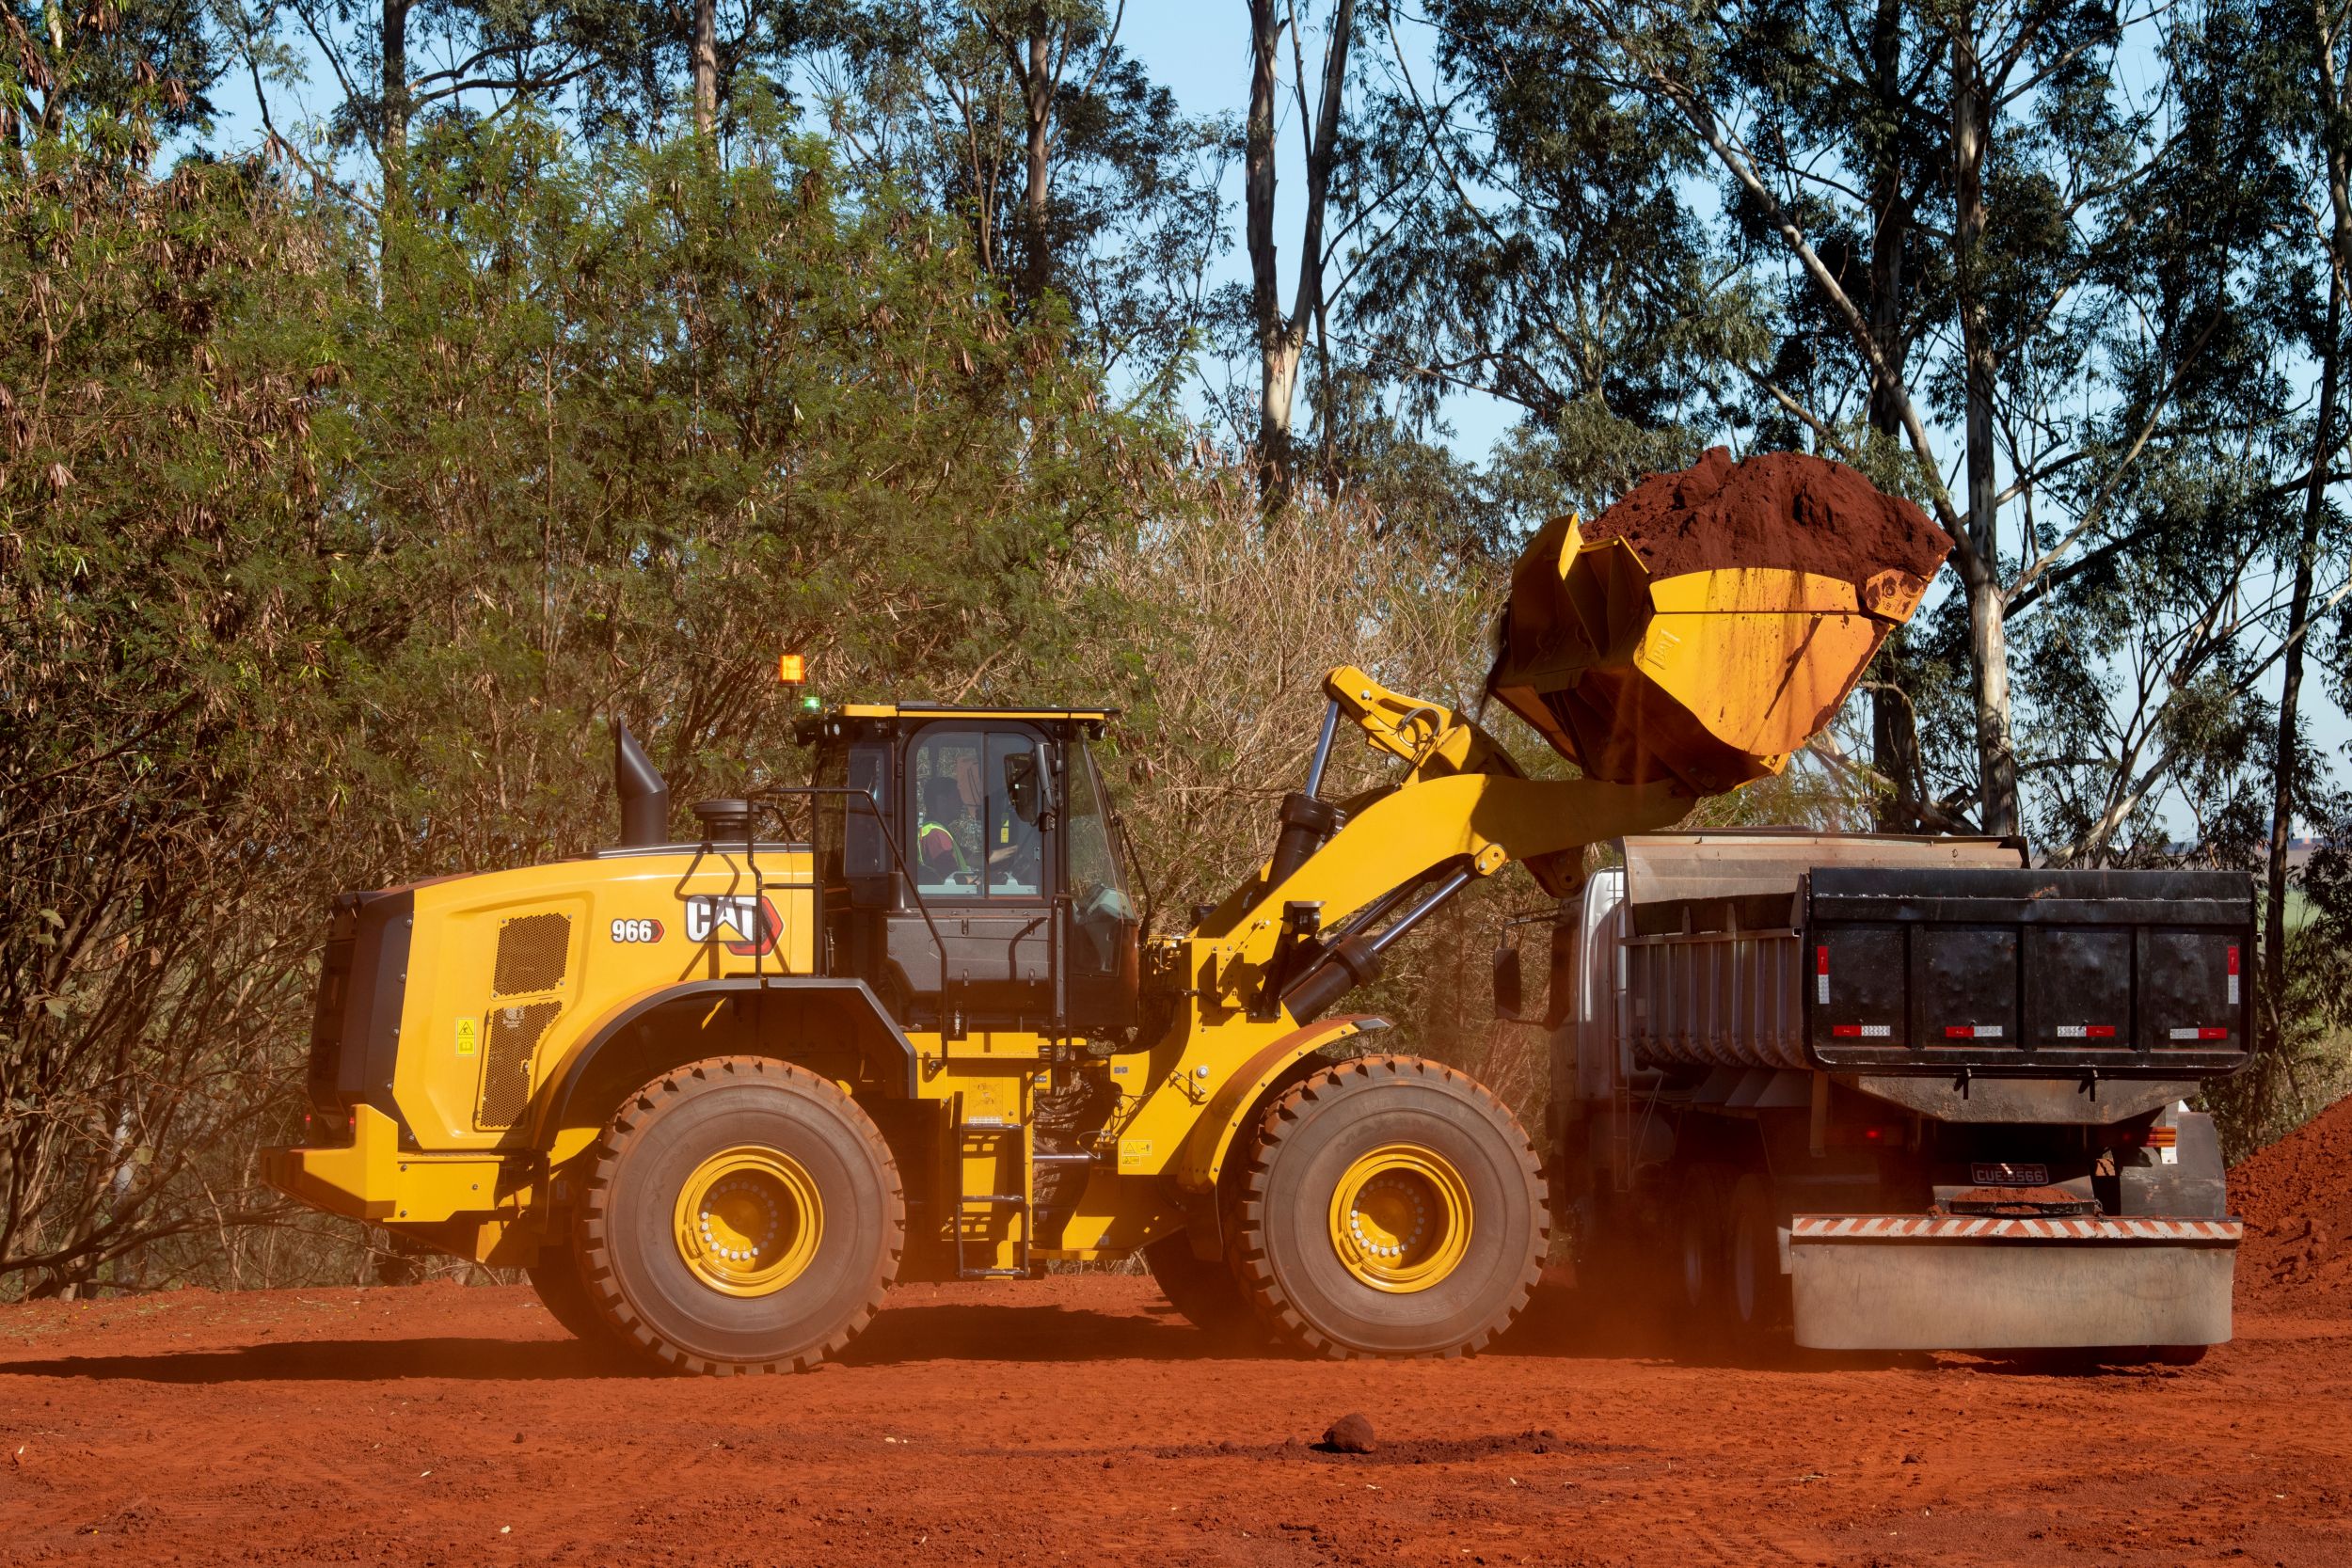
(946, 821)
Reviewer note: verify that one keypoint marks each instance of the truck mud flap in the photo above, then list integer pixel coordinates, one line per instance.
(1932, 1282)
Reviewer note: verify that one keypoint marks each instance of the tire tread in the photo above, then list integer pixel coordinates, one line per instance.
(595, 1214)
(1254, 1267)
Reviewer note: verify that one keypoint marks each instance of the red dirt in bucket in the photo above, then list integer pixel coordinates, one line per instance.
(1787, 509)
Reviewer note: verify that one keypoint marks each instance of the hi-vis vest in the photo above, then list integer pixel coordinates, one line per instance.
(924, 828)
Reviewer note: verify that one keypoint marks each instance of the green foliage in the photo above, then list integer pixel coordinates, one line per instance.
(324, 573)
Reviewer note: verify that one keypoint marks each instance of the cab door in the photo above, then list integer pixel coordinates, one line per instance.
(1102, 950)
(981, 856)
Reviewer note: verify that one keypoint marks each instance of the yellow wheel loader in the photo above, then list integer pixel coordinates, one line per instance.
(716, 1093)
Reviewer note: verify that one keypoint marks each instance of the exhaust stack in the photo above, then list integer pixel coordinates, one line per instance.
(645, 798)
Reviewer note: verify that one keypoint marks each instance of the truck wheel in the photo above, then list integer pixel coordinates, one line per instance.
(1205, 1293)
(741, 1214)
(1699, 1293)
(1390, 1207)
(1759, 1300)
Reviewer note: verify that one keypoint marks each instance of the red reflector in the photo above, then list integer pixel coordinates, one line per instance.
(1960, 1032)
(2234, 960)
(2212, 1033)
(2099, 1031)
(1846, 1030)
(1872, 1134)
(1820, 959)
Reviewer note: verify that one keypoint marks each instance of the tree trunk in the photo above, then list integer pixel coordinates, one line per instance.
(1893, 729)
(1278, 357)
(2284, 760)
(1988, 639)
(707, 67)
(1036, 188)
(1282, 339)
(393, 150)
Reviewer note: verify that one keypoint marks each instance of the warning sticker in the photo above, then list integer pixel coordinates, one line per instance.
(465, 1037)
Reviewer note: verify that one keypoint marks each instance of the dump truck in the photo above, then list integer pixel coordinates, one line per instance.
(715, 1092)
(1872, 1092)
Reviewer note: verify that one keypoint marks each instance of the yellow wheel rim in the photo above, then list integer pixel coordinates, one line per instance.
(1401, 1218)
(748, 1221)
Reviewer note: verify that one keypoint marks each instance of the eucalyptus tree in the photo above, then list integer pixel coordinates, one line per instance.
(1076, 175)
(1550, 257)
(2016, 278)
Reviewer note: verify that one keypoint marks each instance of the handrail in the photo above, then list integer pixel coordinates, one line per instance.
(773, 797)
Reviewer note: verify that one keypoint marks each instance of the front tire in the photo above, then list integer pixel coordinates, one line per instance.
(1390, 1207)
(741, 1214)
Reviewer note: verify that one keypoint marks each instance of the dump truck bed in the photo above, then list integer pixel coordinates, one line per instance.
(1949, 972)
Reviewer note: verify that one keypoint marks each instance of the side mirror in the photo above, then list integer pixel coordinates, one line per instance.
(1025, 786)
(1510, 985)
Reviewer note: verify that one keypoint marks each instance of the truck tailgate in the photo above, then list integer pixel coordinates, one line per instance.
(1977, 1282)
(2136, 974)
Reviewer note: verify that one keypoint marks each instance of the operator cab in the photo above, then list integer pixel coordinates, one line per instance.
(985, 888)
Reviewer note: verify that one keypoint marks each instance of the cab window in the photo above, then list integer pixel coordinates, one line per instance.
(1097, 889)
(976, 810)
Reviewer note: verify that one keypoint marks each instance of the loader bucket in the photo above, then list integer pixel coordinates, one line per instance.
(1713, 621)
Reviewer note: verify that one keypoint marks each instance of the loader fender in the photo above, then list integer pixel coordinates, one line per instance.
(847, 1010)
(1240, 1101)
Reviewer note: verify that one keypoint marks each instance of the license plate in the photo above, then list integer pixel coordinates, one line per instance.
(2004, 1174)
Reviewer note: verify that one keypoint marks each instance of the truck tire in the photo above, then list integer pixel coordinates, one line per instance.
(741, 1214)
(1205, 1293)
(1759, 1304)
(1390, 1206)
(1699, 1293)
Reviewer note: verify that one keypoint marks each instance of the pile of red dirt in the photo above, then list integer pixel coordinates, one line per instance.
(1787, 509)
(2296, 1201)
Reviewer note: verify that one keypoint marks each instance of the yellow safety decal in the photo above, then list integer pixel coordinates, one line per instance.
(465, 1037)
(1135, 1154)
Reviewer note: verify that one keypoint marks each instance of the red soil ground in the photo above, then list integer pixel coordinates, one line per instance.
(1078, 1420)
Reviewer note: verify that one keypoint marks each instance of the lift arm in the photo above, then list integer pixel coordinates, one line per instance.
(1343, 887)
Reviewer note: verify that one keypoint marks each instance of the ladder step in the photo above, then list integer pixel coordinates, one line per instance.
(990, 1124)
(1013, 1198)
(991, 1274)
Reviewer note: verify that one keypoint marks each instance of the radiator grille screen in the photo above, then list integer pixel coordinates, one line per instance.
(532, 951)
(514, 1040)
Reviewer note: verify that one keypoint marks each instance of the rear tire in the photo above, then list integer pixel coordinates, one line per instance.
(555, 1279)
(1205, 1293)
(1700, 1255)
(741, 1214)
(1761, 1305)
(1390, 1206)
